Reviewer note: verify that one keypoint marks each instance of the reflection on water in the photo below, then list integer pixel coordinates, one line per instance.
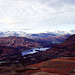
(34, 50)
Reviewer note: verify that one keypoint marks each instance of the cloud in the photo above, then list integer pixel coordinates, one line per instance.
(36, 13)
(26, 29)
(10, 21)
(25, 10)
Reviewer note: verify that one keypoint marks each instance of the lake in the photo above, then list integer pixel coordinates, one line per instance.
(34, 50)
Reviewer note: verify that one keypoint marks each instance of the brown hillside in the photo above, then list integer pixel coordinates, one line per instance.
(22, 43)
(67, 48)
(8, 51)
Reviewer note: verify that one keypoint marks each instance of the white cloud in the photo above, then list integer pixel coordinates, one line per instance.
(33, 13)
(10, 21)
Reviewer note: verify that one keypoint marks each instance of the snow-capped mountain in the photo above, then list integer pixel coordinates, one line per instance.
(72, 31)
(42, 38)
(13, 33)
(39, 35)
(61, 32)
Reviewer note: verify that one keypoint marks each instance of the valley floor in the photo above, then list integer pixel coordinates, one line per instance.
(58, 66)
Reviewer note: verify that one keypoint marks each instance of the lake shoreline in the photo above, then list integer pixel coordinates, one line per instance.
(34, 50)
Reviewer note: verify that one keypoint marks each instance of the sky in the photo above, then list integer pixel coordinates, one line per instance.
(35, 16)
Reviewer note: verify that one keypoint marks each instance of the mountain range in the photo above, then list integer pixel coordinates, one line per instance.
(63, 62)
(58, 60)
(42, 38)
(22, 43)
(64, 49)
(24, 34)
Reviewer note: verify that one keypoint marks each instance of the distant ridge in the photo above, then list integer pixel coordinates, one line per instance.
(21, 43)
(22, 33)
(45, 39)
(66, 48)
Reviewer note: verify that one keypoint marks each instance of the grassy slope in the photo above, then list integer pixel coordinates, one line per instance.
(62, 66)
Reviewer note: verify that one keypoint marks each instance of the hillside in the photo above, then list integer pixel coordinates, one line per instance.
(51, 39)
(21, 43)
(6, 51)
(59, 66)
(42, 38)
(65, 49)
(59, 60)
